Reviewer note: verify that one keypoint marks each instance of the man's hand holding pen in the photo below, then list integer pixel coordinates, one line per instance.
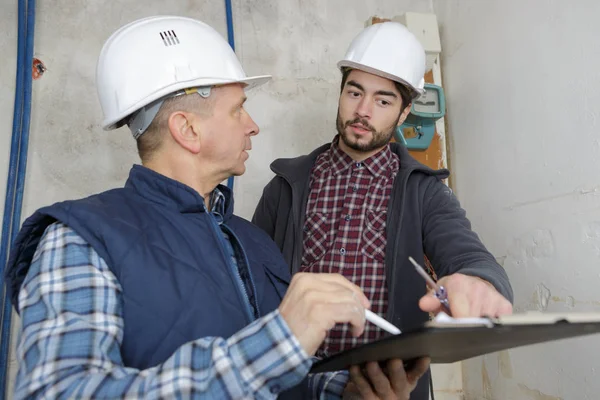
(467, 296)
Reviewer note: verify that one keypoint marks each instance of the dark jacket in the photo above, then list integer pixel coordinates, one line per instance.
(424, 218)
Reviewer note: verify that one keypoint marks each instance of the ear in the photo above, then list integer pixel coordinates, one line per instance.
(184, 130)
(404, 114)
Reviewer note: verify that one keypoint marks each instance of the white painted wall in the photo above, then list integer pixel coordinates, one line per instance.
(523, 90)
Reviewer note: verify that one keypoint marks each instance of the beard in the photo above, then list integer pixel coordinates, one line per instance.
(378, 138)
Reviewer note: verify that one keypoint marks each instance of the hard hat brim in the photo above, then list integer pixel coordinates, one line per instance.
(255, 81)
(250, 82)
(415, 92)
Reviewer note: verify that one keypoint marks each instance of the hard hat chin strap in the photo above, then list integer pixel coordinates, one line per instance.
(141, 120)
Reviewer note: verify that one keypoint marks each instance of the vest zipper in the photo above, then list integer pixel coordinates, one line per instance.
(231, 233)
(232, 268)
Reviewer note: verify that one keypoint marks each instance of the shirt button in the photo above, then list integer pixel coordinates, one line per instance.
(342, 251)
(347, 218)
(355, 188)
(358, 165)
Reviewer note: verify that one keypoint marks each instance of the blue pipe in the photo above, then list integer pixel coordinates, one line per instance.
(24, 147)
(231, 39)
(17, 166)
(7, 220)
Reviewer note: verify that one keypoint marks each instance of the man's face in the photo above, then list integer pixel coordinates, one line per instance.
(226, 134)
(368, 113)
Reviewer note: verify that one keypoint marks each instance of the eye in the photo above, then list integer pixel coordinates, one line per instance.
(353, 93)
(384, 103)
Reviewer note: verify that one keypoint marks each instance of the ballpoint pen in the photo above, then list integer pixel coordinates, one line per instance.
(438, 290)
(382, 323)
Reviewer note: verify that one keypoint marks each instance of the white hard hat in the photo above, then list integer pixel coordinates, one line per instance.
(149, 59)
(389, 50)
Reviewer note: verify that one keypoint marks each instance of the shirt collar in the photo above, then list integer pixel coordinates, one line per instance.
(217, 204)
(378, 164)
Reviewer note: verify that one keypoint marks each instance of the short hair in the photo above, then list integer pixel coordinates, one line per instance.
(151, 141)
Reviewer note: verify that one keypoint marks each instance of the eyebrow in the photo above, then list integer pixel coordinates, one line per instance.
(379, 92)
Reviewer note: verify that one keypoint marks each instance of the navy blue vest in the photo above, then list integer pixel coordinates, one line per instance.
(168, 254)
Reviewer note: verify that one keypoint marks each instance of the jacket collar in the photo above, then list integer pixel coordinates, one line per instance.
(298, 169)
(175, 195)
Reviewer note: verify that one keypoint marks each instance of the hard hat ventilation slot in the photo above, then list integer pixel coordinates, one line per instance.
(169, 38)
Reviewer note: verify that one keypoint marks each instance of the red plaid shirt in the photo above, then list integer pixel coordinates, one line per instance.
(344, 231)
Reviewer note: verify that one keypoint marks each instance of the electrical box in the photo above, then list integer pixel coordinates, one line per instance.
(417, 131)
(425, 28)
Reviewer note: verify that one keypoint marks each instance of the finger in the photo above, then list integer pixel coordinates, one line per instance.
(397, 374)
(336, 294)
(331, 294)
(419, 369)
(499, 306)
(492, 307)
(351, 392)
(340, 280)
(430, 303)
(380, 382)
(352, 311)
(505, 307)
(362, 385)
(330, 282)
(341, 313)
(485, 300)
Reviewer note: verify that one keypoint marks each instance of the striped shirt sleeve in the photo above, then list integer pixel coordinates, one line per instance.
(72, 329)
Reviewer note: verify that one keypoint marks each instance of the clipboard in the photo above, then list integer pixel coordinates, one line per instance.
(448, 340)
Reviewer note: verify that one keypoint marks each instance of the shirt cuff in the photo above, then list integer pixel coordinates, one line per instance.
(270, 357)
(334, 385)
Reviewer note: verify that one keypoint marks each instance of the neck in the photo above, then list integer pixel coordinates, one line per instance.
(202, 180)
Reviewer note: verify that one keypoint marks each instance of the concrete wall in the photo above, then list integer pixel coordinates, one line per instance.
(298, 42)
(522, 81)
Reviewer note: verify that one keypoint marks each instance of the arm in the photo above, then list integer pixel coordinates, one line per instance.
(452, 246)
(72, 329)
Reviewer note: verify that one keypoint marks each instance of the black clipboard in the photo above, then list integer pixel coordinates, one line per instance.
(452, 343)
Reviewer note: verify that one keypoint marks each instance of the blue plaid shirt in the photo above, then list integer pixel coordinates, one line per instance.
(71, 311)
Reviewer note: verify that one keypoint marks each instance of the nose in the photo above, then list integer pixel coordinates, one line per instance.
(252, 129)
(364, 108)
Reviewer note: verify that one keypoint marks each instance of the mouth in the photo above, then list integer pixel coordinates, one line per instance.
(360, 129)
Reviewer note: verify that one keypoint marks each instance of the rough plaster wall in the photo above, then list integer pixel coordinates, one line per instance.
(521, 78)
(298, 42)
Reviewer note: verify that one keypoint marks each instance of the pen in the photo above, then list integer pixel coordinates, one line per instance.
(438, 291)
(382, 323)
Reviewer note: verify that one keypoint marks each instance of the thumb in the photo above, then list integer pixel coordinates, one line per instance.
(429, 303)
